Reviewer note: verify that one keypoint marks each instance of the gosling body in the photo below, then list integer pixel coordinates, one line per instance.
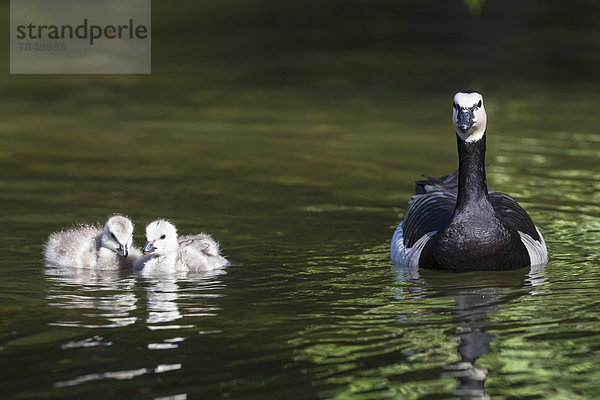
(165, 252)
(94, 247)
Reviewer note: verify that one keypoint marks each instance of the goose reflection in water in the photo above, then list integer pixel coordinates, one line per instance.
(167, 298)
(106, 296)
(476, 297)
(162, 301)
(90, 299)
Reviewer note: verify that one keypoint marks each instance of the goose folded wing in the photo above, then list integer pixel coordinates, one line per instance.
(427, 213)
(513, 215)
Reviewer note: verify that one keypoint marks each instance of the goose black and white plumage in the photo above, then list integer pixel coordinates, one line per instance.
(456, 222)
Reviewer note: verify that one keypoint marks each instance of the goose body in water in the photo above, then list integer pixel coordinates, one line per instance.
(89, 246)
(165, 252)
(456, 222)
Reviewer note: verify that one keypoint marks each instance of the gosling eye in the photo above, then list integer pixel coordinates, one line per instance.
(479, 104)
(455, 105)
(113, 236)
(163, 236)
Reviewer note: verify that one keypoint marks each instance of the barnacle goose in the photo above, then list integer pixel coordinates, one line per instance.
(456, 222)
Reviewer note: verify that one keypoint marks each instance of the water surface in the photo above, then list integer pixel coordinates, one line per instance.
(301, 162)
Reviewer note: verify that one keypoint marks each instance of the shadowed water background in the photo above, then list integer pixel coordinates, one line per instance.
(293, 135)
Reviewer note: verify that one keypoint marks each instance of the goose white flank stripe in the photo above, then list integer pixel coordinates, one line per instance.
(456, 222)
(407, 256)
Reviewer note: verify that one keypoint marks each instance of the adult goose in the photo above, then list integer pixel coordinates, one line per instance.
(456, 222)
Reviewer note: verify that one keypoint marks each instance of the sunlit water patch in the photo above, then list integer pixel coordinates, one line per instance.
(303, 188)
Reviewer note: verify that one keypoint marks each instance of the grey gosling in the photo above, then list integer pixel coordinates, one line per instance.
(89, 246)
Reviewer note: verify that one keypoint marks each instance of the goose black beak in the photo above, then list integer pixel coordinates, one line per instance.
(465, 120)
(122, 251)
(149, 247)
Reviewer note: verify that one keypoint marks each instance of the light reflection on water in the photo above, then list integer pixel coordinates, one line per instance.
(162, 301)
(104, 295)
(117, 375)
(109, 295)
(476, 296)
(315, 306)
(304, 186)
(114, 299)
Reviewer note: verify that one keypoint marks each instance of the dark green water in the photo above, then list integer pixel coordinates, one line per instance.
(295, 142)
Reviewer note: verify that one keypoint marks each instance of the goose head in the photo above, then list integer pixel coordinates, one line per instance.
(161, 237)
(468, 116)
(117, 235)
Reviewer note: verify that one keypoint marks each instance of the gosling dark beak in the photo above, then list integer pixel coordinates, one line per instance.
(465, 120)
(122, 251)
(149, 247)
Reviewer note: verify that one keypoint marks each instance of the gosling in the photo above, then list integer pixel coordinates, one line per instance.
(166, 253)
(89, 246)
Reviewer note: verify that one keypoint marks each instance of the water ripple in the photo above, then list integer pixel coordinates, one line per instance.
(117, 375)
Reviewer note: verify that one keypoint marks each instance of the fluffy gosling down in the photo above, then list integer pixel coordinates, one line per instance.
(89, 246)
(166, 253)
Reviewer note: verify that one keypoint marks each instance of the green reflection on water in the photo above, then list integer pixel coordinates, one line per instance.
(305, 208)
(294, 136)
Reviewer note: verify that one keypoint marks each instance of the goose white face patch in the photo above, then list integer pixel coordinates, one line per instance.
(471, 103)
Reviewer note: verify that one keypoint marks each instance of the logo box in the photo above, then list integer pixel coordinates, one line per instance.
(80, 37)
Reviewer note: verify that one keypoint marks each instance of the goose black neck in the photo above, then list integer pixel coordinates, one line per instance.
(472, 183)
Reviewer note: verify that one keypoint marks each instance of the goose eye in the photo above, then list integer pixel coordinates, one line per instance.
(479, 104)
(455, 105)
(163, 236)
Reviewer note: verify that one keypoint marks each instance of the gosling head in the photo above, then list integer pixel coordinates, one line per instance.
(117, 235)
(468, 116)
(161, 237)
